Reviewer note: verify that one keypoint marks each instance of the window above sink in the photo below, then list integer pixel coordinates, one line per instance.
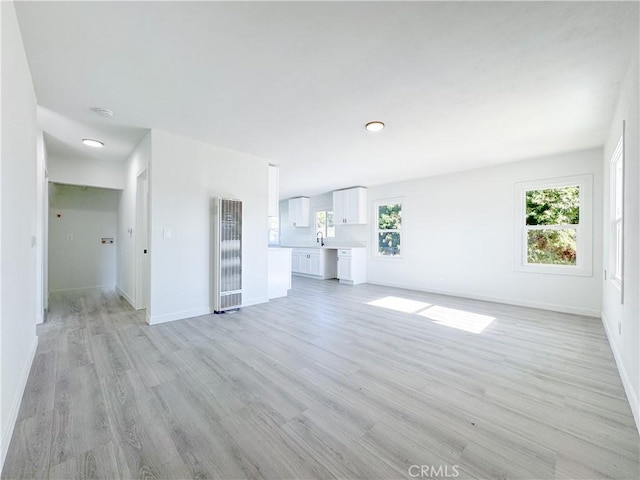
(324, 223)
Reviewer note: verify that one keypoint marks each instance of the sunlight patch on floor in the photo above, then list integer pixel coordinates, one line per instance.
(399, 304)
(448, 317)
(460, 319)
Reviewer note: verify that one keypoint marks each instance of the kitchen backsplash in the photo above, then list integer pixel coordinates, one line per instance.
(290, 235)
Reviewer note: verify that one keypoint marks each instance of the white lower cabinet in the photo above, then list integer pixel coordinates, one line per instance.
(349, 265)
(315, 267)
(314, 262)
(352, 265)
(344, 267)
(296, 261)
(279, 272)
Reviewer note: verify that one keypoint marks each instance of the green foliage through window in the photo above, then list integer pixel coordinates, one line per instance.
(390, 217)
(389, 229)
(555, 247)
(552, 207)
(324, 223)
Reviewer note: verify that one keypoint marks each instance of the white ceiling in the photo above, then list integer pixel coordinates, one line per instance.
(459, 85)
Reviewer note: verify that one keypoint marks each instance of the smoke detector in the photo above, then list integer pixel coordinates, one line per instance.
(103, 112)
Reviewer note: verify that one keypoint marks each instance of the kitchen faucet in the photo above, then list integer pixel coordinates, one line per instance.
(321, 239)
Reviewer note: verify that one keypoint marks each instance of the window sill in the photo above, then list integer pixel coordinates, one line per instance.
(383, 258)
(554, 270)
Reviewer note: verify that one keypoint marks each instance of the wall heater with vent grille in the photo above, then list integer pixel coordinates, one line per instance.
(227, 254)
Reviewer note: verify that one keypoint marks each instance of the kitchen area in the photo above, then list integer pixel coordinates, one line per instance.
(322, 237)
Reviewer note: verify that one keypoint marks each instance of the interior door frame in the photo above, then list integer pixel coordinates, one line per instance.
(142, 241)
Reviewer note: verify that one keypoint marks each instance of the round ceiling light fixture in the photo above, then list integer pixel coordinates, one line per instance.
(374, 126)
(103, 112)
(92, 143)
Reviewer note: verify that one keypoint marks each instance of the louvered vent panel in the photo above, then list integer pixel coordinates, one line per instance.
(231, 300)
(229, 254)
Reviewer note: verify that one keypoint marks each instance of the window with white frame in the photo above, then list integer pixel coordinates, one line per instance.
(617, 197)
(324, 223)
(553, 226)
(274, 231)
(388, 231)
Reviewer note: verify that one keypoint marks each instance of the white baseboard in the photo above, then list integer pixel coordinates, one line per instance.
(125, 296)
(490, 298)
(170, 317)
(80, 288)
(7, 431)
(628, 388)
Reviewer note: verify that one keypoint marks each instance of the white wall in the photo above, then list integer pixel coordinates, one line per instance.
(184, 175)
(87, 214)
(459, 236)
(137, 163)
(41, 229)
(86, 172)
(18, 220)
(625, 342)
(345, 234)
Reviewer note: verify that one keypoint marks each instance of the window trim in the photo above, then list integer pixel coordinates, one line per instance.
(584, 229)
(326, 227)
(279, 231)
(616, 249)
(375, 204)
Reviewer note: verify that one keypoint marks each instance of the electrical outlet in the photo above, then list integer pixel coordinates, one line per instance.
(619, 327)
(70, 236)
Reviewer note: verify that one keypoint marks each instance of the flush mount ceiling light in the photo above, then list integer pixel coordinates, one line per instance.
(92, 143)
(374, 126)
(103, 112)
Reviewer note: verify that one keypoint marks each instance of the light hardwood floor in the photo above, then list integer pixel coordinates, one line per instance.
(334, 381)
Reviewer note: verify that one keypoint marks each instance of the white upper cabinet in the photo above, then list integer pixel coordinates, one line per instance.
(274, 191)
(299, 211)
(350, 206)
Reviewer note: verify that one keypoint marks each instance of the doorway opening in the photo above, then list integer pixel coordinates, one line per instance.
(142, 241)
(81, 239)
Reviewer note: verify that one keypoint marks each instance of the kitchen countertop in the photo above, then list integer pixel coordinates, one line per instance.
(326, 247)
